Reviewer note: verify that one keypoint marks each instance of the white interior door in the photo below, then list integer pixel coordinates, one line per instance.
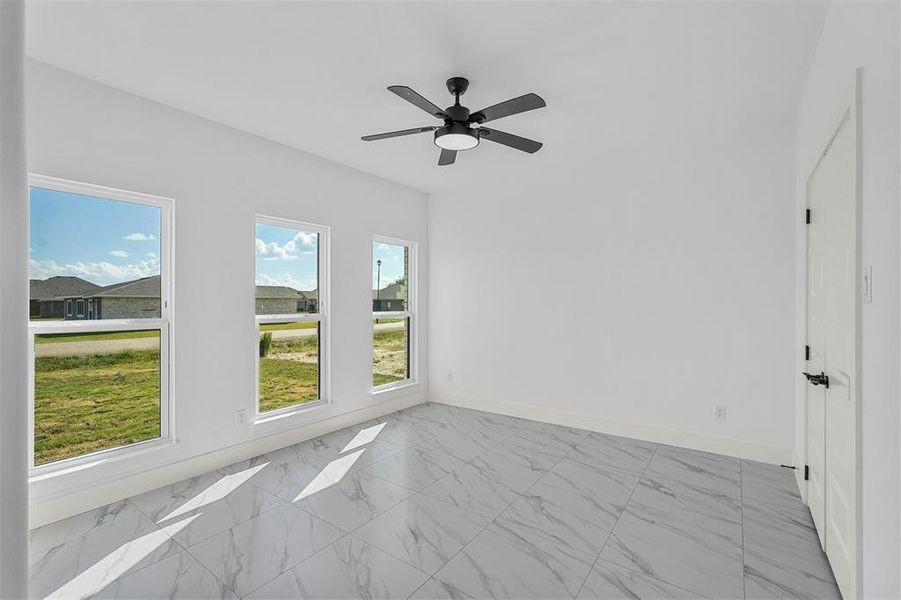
(832, 331)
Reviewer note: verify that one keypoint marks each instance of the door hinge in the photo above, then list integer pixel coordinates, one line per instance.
(806, 472)
(806, 352)
(807, 216)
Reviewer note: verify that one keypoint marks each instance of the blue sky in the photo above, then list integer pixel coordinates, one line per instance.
(286, 256)
(392, 263)
(106, 241)
(100, 240)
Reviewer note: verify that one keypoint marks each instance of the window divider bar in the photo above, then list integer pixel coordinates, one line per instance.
(396, 314)
(298, 318)
(95, 326)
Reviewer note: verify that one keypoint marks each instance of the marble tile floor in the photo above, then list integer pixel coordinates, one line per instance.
(442, 502)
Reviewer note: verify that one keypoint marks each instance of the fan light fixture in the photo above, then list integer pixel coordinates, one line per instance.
(456, 137)
(462, 130)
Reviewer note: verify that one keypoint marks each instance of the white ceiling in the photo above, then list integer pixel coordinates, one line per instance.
(312, 75)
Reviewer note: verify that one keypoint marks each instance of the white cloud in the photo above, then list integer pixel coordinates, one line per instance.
(286, 279)
(101, 273)
(139, 237)
(302, 243)
(118, 253)
(150, 255)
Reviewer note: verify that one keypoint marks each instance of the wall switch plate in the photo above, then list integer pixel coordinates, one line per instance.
(241, 415)
(450, 376)
(719, 413)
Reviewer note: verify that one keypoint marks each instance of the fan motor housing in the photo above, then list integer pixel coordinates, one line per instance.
(456, 136)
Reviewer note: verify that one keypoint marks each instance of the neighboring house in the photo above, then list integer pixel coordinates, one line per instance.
(48, 296)
(391, 297)
(309, 302)
(277, 300)
(138, 299)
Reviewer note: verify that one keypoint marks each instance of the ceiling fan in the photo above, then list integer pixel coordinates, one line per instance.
(462, 129)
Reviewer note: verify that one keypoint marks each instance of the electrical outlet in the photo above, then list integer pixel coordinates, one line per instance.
(450, 376)
(719, 412)
(241, 415)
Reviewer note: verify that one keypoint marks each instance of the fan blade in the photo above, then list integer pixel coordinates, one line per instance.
(508, 139)
(447, 157)
(505, 109)
(391, 134)
(417, 100)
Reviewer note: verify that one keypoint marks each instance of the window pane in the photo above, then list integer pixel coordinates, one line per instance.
(94, 391)
(390, 274)
(93, 258)
(390, 350)
(287, 270)
(289, 364)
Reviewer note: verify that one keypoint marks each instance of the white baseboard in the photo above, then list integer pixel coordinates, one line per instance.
(50, 509)
(685, 439)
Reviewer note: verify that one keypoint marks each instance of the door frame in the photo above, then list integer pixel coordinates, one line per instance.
(848, 113)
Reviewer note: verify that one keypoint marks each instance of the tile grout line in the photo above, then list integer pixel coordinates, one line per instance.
(309, 514)
(622, 512)
(294, 566)
(636, 571)
(519, 497)
(461, 465)
(419, 493)
(468, 424)
(183, 549)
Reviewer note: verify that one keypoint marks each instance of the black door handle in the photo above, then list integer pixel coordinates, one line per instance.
(821, 379)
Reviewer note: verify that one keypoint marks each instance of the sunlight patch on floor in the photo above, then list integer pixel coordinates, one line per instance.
(115, 564)
(364, 437)
(333, 473)
(215, 492)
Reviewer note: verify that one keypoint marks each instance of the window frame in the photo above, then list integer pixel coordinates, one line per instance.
(410, 314)
(323, 246)
(163, 324)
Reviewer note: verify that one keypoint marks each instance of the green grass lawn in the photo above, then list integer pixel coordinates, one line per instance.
(94, 402)
(87, 403)
(289, 373)
(389, 355)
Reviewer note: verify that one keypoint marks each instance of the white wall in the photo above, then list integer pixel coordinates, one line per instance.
(631, 289)
(219, 178)
(13, 293)
(865, 34)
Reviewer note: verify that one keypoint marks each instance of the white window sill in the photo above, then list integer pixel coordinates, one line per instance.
(97, 459)
(285, 418)
(395, 389)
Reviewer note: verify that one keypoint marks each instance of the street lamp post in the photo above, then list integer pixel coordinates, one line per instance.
(378, 283)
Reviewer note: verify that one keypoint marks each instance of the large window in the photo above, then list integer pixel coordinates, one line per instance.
(393, 312)
(99, 319)
(291, 303)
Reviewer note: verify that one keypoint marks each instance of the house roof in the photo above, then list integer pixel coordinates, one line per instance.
(60, 287)
(392, 291)
(276, 291)
(146, 287)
